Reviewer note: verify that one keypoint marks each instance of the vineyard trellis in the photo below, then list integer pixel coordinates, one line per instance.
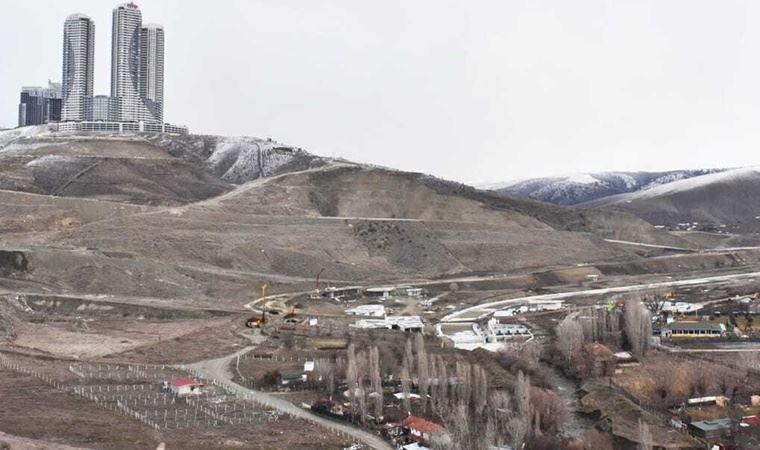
(139, 395)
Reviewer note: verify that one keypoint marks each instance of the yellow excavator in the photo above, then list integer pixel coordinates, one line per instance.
(256, 322)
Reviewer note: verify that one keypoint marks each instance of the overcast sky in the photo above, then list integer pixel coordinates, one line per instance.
(474, 91)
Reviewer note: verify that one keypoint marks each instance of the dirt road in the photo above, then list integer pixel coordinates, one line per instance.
(218, 369)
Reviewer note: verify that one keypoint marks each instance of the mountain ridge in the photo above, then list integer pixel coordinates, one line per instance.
(581, 188)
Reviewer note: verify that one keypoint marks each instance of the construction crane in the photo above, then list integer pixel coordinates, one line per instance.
(319, 275)
(257, 322)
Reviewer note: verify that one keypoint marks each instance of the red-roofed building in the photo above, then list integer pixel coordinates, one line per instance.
(421, 428)
(752, 421)
(185, 386)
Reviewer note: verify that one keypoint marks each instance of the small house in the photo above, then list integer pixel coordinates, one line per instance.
(287, 378)
(710, 429)
(602, 361)
(184, 386)
(420, 428)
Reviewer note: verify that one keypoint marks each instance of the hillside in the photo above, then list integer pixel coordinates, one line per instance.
(724, 201)
(586, 187)
(204, 218)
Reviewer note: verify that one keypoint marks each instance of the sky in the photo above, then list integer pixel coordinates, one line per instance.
(475, 91)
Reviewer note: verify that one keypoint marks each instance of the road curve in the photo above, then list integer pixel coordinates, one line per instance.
(218, 369)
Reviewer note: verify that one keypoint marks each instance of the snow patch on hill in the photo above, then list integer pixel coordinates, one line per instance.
(48, 161)
(581, 178)
(239, 159)
(581, 188)
(9, 136)
(688, 184)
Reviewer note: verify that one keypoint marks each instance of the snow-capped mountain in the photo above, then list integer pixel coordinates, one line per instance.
(585, 187)
(727, 201)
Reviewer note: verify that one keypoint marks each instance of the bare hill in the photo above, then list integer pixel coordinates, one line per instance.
(725, 201)
(207, 219)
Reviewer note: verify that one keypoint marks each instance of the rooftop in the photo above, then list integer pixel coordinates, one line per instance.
(179, 382)
(712, 425)
(77, 16)
(598, 350)
(381, 289)
(367, 310)
(420, 424)
(683, 325)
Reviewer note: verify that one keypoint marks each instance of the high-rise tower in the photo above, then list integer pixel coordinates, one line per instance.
(152, 71)
(78, 65)
(126, 61)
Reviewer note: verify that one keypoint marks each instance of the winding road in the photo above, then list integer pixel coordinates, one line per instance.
(219, 370)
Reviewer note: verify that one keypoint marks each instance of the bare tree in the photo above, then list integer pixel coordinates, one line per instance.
(377, 382)
(638, 326)
(352, 376)
(570, 338)
(479, 388)
(517, 427)
(409, 356)
(522, 394)
(441, 404)
(459, 426)
(645, 436)
(406, 382)
(464, 383)
(550, 410)
(435, 380)
(423, 375)
(326, 372)
(519, 424)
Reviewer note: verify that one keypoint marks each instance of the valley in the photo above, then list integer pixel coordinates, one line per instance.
(359, 305)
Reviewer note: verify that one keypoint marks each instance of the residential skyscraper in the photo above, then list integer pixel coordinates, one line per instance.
(39, 105)
(152, 71)
(126, 61)
(78, 65)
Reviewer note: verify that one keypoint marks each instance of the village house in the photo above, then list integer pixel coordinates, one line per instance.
(710, 429)
(184, 386)
(602, 361)
(420, 429)
(298, 376)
